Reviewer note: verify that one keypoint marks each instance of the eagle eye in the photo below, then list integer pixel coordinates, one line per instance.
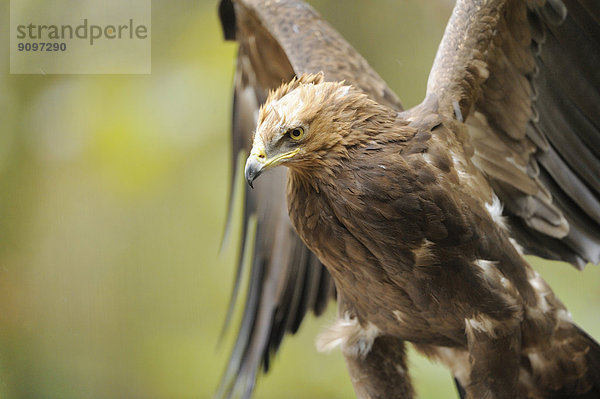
(296, 133)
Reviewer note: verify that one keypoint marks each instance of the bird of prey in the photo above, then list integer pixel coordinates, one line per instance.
(421, 216)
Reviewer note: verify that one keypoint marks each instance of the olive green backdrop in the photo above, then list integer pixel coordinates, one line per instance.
(113, 192)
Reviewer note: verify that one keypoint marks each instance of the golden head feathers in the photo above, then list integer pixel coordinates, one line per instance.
(329, 113)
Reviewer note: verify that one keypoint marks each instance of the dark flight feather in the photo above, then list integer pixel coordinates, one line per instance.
(286, 279)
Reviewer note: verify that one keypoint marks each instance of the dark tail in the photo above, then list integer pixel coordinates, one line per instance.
(588, 387)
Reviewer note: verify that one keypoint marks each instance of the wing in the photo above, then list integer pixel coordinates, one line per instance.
(524, 77)
(276, 41)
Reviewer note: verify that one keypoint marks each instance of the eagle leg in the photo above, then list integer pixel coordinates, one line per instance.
(494, 357)
(382, 372)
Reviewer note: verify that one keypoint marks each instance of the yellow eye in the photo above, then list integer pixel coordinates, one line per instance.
(296, 133)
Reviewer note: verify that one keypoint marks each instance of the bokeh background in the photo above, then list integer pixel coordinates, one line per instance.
(113, 193)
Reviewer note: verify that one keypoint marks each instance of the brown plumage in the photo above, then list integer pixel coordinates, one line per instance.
(404, 207)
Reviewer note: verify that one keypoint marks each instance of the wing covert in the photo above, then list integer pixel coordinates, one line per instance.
(523, 75)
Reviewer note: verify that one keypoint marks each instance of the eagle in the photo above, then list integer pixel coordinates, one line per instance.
(416, 220)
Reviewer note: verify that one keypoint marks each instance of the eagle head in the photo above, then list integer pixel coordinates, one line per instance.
(301, 122)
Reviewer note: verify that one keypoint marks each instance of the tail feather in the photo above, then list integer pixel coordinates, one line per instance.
(587, 387)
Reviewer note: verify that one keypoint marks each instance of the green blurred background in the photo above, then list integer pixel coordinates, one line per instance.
(113, 192)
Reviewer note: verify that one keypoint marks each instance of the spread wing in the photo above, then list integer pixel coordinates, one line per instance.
(524, 76)
(276, 41)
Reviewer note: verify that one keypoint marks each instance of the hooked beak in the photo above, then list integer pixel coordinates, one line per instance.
(258, 162)
(254, 167)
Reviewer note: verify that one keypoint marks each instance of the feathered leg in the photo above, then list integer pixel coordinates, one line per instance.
(382, 372)
(495, 358)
